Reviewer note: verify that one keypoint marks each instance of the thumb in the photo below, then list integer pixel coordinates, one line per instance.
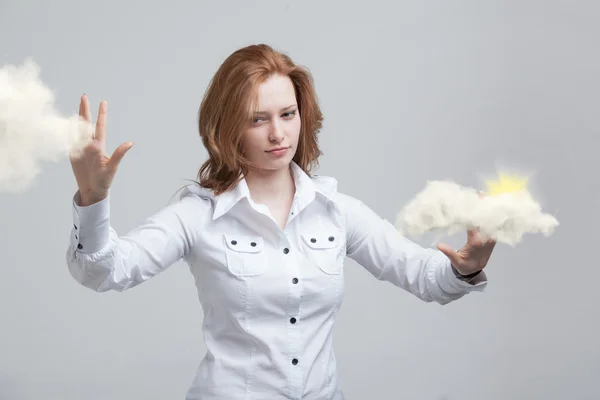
(449, 252)
(118, 155)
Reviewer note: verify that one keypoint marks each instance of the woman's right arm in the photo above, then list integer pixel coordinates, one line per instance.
(101, 260)
(97, 256)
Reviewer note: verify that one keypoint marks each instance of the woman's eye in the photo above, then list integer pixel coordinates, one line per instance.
(289, 114)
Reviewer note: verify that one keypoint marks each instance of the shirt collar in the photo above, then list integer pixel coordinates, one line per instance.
(225, 201)
(306, 190)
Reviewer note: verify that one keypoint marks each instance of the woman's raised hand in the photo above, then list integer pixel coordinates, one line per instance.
(94, 170)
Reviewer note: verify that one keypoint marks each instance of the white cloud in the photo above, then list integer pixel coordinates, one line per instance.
(31, 129)
(446, 207)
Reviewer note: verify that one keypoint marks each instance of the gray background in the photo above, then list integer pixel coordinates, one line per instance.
(411, 90)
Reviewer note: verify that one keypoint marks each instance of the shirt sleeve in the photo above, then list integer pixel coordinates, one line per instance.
(101, 260)
(376, 244)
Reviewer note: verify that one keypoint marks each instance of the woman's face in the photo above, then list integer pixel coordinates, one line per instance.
(271, 141)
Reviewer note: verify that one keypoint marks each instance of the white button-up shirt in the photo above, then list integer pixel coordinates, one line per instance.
(270, 296)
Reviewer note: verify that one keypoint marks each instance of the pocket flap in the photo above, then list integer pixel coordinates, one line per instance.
(244, 244)
(322, 239)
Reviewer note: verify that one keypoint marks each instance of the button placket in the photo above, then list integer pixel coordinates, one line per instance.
(294, 333)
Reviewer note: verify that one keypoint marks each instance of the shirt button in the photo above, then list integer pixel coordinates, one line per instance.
(286, 250)
(80, 246)
(293, 320)
(331, 238)
(295, 280)
(313, 240)
(234, 242)
(295, 361)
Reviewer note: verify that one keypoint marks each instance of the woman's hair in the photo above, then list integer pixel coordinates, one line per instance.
(229, 103)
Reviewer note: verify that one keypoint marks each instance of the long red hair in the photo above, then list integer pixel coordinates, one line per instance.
(228, 105)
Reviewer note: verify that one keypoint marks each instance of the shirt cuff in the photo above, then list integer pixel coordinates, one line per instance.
(91, 224)
(448, 281)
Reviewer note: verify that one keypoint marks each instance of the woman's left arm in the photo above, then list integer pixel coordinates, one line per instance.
(428, 273)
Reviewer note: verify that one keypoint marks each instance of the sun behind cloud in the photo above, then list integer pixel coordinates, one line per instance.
(506, 183)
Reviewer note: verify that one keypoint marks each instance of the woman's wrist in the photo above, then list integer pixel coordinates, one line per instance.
(462, 277)
(88, 198)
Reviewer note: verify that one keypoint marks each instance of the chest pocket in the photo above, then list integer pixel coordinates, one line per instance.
(245, 255)
(326, 248)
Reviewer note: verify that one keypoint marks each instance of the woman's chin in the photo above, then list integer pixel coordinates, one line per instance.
(274, 165)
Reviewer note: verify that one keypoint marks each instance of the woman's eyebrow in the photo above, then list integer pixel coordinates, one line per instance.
(266, 113)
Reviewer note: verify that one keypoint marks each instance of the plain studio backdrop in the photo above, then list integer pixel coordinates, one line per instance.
(411, 91)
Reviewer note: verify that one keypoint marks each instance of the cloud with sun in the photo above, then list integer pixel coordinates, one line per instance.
(506, 211)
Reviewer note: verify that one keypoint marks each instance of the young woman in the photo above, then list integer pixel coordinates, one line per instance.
(264, 239)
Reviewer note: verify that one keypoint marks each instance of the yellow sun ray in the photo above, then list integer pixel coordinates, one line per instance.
(505, 184)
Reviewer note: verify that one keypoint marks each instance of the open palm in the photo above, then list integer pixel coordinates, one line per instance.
(94, 170)
(473, 256)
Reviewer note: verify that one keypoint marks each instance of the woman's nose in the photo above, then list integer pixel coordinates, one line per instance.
(276, 134)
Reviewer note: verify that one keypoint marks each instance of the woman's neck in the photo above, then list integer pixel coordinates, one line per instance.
(269, 186)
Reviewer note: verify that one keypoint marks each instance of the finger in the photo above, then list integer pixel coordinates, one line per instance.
(472, 234)
(87, 114)
(118, 155)
(449, 252)
(85, 127)
(101, 121)
(478, 238)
